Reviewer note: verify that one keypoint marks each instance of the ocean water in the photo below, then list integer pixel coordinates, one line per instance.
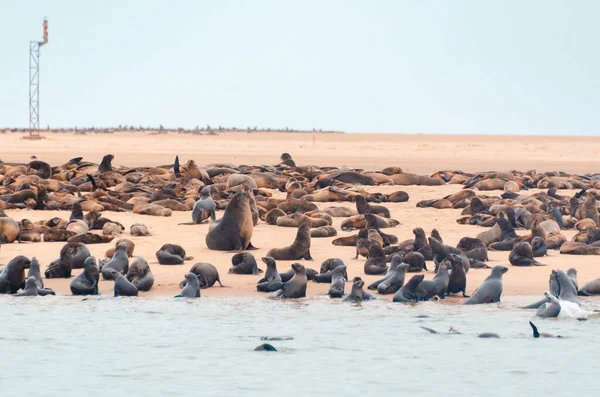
(70, 346)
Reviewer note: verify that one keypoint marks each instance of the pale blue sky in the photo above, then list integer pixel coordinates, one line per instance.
(422, 66)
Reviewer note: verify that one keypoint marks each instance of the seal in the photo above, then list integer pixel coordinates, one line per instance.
(140, 275)
(205, 207)
(376, 264)
(118, 264)
(522, 255)
(72, 256)
(130, 248)
(12, 277)
(574, 248)
(392, 284)
(272, 279)
(323, 231)
(122, 286)
(473, 248)
(398, 197)
(206, 273)
(300, 248)
(415, 261)
(457, 281)
(139, 229)
(365, 208)
(89, 238)
(87, 282)
(30, 289)
(54, 234)
(234, 231)
(340, 212)
(9, 230)
(491, 288)
(172, 254)
(288, 274)
(244, 263)
(265, 347)
(396, 260)
(591, 288)
(538, 246)
(358, 294)
(408, 292)
(295, 220)
(438, 286)
(338, 282)
(34, 272)
(296, 286)
(191, 289)
(272, 215)
(549, 309)
(441, 251)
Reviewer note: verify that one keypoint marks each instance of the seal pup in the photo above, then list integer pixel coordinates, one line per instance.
(119, 263)
(72, 256)
(358, 294)
(392, 284)
(87, 282)
(538, 246)
(377, 263)
(31, 288)
(205, 207)
(12, 277)
(491, 288)
(338, 282)
(408, 292)
(296, 287)
(244, 263)
(457, 281)
(272, 279)
(139, 229)
(122, 286)
(234, 231)
(549, 309)
(191, 288)
(300, 248)
(172, 254)
(140, 275)
(34, 272)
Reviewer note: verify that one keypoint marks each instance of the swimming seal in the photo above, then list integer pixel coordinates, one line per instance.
(234, 231)
(300, 248)
(549, 309)
(87, 282)
(491, 288)
(140, 275)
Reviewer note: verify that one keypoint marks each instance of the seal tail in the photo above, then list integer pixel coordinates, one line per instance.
(536, 334)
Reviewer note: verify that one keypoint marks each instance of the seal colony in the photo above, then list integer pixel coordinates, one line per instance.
(352, 212)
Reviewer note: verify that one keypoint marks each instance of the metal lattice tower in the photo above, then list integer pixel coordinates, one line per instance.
(34, 83)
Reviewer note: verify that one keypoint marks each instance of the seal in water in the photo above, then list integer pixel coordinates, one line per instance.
(191, 288)
(408, 292)
(87, 282)
(490, 290)
(119, 263)
(338, 282)
(12, 277)
(234, 231)
(296, 287)
(140, 275)
(244, 263)
(549, 309)
(537, 334)
(300, 248)
(265, 347)
(358, 294)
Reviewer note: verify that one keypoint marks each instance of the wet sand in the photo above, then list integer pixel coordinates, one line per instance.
(422, 154)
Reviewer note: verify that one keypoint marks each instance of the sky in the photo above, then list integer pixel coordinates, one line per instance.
(397, 66)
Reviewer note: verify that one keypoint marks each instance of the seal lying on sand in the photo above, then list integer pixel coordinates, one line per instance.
(244, 263)
(172, 254)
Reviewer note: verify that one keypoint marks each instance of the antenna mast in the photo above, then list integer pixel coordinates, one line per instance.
(34, 84)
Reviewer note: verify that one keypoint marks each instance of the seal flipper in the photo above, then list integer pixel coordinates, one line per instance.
(431, 331)
(93, 182)
(251, 247)
(536, 334)
(307, 256)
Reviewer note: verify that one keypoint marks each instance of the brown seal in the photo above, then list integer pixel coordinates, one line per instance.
(398, 197)
(234, 231)
(573, 248)
(340, 212)
(522, 255)
(151, 209)
(272, 216)
(12, 277)
(9, 230)
(300, 248)
(90, 238)
(365, 208)
(54, 234)
(291, 206)
(130, 247)
(323, 231)
(295, 220)
(140, 275)
(139, 229)
(172, 254)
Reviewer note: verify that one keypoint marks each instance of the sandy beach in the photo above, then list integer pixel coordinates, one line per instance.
(414, 153)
